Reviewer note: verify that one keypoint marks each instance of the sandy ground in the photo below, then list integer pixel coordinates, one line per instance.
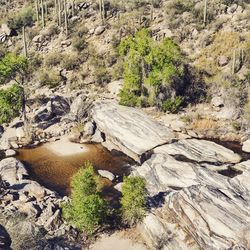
(65, 147)
(116, 242)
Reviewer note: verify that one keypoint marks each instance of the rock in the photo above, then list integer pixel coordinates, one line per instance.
(3, 37)
(99, 30)
(20, 133)
(164, 173)
(5, 29)
(118, 186)
(97, 137)
(89, 129)
(232, 9)
(35, 190)
(223, 61)
(106, 174)
(65, 43)
(52, 112)
(5, 240)
(1, 130)
(246, 146)
(115, 87)
(200, 151)
(38, 39)
(209, 208)
(54, 221)
(12, 171)
(80, 106)
(178, 125)
(217, 101)
(129, 129)
(10, 153)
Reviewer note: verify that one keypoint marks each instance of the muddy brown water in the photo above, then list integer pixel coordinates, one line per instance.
(55, 171)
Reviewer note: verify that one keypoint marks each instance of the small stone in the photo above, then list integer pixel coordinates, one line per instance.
(217, 101)
(99, 30)
(106, 174)
(246, 146)
(10, 153)
(223, 61)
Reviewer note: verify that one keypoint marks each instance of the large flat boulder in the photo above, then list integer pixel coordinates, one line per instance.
(200, 151)
(129, 129)
(205, 207)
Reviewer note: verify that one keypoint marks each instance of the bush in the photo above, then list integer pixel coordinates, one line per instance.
(149, 67)
(79, 44)
(133, 200)
(53, 59)
(173, 106)
(70, 61)
(87, 209)
(50, 78)
(25, 17)
(10, 103)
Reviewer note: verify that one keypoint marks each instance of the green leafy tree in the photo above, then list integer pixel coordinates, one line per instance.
(133, 199)
(13, 67)
(150, 67)
(87, 209)
(10, 103)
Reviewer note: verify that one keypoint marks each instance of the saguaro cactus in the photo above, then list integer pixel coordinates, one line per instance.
(37, 11)
(25, 51)
(65, 17)
(152, 11)
(205, 13)
(42, 12)
(59, 13)
(102, 10)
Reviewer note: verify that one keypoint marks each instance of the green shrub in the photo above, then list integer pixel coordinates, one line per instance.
(25, 17)
(87, 209)
(173, 106)
(10, 103)
(133, 200)
(149, 67)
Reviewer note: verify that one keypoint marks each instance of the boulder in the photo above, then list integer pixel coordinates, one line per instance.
(97, 137)
(52, 112)
(20, 133)
(10, 153)
(12, 171)
(115, 87)
(5, 29)
(89, 129)
(5, 240)
(106, 174)
(35, 189)
(80, 106)
(246, 146)
(99, 30)
(130, 130)
(199, 151)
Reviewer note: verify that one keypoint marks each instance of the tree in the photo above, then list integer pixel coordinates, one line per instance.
(10, 103)
(150, 68)
(133, 199)
(87, 209)
(13, 67)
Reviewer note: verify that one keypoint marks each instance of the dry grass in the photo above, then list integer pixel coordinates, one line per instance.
(225, 42)
(204, 124)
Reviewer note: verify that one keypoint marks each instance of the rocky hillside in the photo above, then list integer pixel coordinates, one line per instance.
(180, 71)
